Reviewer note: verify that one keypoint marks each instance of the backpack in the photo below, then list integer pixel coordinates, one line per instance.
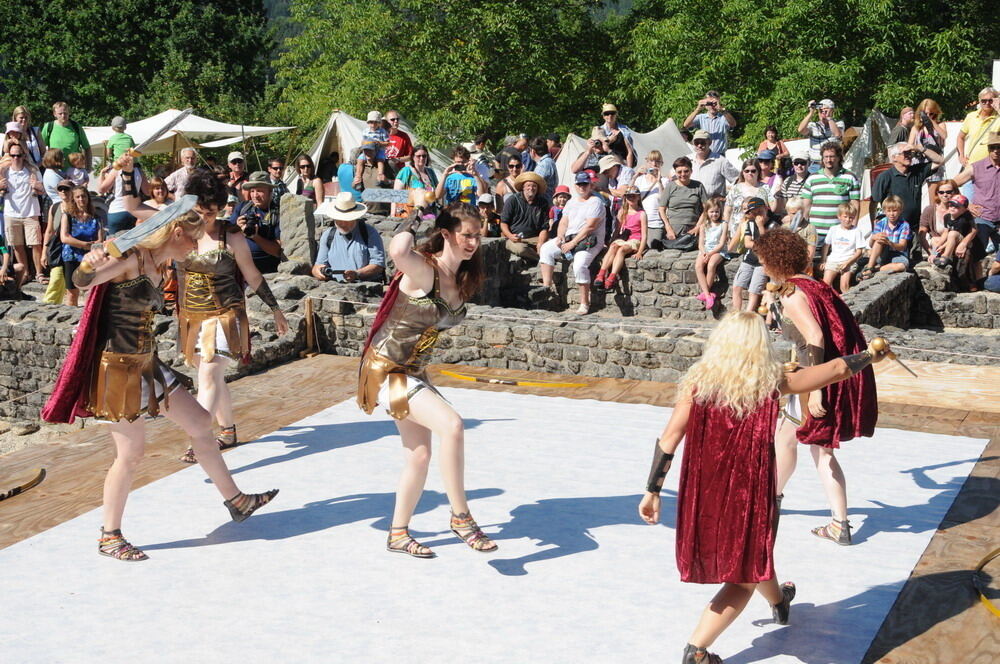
(364, 228)
(47, 132)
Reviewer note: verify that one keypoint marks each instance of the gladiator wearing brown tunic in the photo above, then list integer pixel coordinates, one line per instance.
(129, 379)
(402, 347)
(209, 295)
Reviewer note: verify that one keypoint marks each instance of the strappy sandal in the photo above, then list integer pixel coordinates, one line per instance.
(867, 273)
(835, 531)
(226, 439)
(695, 655)
(242, 505)
(400, 541)
(781, 610)
(467, 530)
(113, 545)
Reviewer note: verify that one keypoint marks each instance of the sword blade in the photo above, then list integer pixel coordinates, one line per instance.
(119, 244)
(176, 120)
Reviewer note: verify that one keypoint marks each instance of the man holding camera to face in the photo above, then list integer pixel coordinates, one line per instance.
(257, 217)
(824, 129)
(711, 116)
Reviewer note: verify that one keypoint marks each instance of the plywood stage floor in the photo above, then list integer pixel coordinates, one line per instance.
(555, 480)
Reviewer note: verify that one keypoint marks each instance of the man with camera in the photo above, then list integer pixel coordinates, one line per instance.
(597, 147)
(350, 250)
(461, 181)
(257, 217)
(711, 116)
(824, 129)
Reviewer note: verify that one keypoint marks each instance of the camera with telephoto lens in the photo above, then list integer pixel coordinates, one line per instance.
(252, 224)
(813, 105)
(328, 272)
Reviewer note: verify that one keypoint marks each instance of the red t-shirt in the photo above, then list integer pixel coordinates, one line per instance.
(400, 146)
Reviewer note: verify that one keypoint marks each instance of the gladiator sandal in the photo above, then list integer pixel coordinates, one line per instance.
(780, 610)
(695, 655)
(400, 541)
(227, 437)
(835, 531)
(188, 456)
(114, 545)
(242, 505)
(467, 530)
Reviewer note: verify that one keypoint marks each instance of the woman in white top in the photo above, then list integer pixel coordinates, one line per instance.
(748, 185)
(650, 182)
(580, 236)
(30, 136)
(126, 179)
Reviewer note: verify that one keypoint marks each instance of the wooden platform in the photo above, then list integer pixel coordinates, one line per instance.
(936, 618)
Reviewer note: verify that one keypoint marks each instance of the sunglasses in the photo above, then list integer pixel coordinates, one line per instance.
(800, 162)
(607, 113)
(274, 168)
(985, 101)
(16, 156)
(515, 165)
(909, 154)
(301, 166)
(392, 119)
(700, 142)
(750, 170)
(583, 184)
(421, 155)
(236, 161)
(945, 192)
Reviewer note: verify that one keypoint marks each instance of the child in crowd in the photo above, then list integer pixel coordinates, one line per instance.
(80, 229)
(630, 238)
(959, 238)
(488, 215)
(77, 171)
(10, 273)
(750, 274)
(559, 200)
(890, 241)
(795, 221)
(842, 248)
(712, 231)
(378, 135)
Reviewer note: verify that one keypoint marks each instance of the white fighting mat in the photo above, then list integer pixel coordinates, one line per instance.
(578, 577)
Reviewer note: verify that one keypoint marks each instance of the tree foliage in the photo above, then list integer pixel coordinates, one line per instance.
(133, 58)
(769, 59)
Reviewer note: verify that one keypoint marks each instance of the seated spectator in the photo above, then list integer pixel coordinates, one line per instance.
(748, 185)
(489, 216)
(992, 283)
(159, 195)
(119, 142)
(750, 274)
(276, 171)
(21, 184)
(350, 250)
(31, 138)
(545, 166)
(505, 187)
(237, 174)
(307, 183)
(714, 173)
(460, 182)
(629, 238)
(933, 233)
(77, 171)
(399, 151)
(79, 230)
(960, 242)
(124, 179)
(901, 132)
(769, 177)
(615, 178)
(792, 185)
(889, 241)
(712, 117)
(258, 218)
(507, 153)
(650, 181)
(842, 247)
(366, 164)
(559, 200)
(796, 220)
(983, 176)
(773, 143)
(905, 180)
(579, 238)
(177, 181)
(11, 274)
(928, 130)
(712, 236)
(418, 176)
(616, 137)
(824, 129)
(682, 201)
(377, 137)
(524, 218)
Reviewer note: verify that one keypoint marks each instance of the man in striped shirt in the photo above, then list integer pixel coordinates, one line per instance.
(825, 190)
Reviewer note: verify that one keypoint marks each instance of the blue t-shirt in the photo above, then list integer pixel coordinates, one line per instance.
(460, 187)
(86, 231)
(345, 176)
(350, 252)
(718, 132)
(901, 233)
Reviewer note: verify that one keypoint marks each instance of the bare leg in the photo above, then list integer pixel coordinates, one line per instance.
(620, 256)
(753, 302)
(830, 276)
(700, 270)
(213, 392)
(197, 423)
(713, 265)
(36, 252)
(833, 480)
(786, 448)
(609, 258)
(547, 271)
(720, 613)
(737, 298)
(845, 281)
(433, 413)
(417, 457)
(21, 256)
(130, 442)
(71, 298)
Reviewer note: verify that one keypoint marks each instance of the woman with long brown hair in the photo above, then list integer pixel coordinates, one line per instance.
(428, 295)
(79, 229)
(307, 183)
(929, 131)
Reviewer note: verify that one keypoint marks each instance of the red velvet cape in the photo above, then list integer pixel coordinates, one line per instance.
(69, 397)
(851, 405)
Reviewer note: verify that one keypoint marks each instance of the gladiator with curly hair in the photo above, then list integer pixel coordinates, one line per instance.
(209, 189)
(783, 251)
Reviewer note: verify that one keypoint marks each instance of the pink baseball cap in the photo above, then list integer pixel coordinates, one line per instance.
(958, 200)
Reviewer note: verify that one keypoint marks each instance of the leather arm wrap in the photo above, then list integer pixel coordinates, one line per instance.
(82, 278)
(857, 362)
(266, 296)
(658, 470)
(813, 356)
(409, 225)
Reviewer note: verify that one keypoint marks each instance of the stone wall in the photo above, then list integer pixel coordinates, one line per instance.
(937, 305)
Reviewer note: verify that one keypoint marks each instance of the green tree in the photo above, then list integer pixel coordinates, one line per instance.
(453, 69)
(132, 58)
(769, 59)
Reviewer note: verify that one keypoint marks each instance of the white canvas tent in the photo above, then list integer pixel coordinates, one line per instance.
(342, 134)
(666, 138)
(193, 131)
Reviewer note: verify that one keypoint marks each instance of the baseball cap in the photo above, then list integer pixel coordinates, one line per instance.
(753, 203)
(827, 103)
(701, 134)
(767, 155)
(958, 200)
(485, 199)
(118, 122)
(233, 156)
(12, 126)
(65, 184)
(581, 177)
(608, 108)
(374, 116)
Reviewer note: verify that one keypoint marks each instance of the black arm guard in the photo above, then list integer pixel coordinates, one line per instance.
(857, 362)
(658, 471)
(266, 296)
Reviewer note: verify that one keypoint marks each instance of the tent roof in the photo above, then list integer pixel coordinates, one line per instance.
(665, 138)
(194, 131)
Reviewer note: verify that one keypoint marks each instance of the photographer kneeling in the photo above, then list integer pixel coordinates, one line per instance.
(350, 250)
(258, 219)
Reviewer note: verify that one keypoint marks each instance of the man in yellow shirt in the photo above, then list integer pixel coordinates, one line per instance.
(971, 143)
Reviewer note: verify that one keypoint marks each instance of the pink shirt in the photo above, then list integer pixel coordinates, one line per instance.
(633, 226)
